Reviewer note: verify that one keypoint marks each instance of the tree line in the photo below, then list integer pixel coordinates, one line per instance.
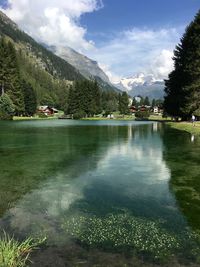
(86, 99)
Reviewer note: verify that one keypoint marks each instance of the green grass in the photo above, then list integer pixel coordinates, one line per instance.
(186, 126)
(14, 253)
(117, 116)
(16, 118)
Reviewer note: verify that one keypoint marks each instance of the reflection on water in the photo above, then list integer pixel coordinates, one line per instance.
(64, 170)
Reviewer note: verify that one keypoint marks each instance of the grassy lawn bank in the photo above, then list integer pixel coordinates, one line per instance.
(186, 126)
(16, 118)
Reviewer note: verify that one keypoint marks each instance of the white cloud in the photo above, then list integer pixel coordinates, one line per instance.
(54, 22)
(57, 22)
(138, 50)
(163, 64)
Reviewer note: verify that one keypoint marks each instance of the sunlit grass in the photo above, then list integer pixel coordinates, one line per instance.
(14, 253)
(186, 126)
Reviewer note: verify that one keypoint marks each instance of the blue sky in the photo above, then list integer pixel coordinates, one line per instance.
(119, 15)
(125, 37)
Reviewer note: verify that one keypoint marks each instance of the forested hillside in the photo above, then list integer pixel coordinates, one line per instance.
(38, 76)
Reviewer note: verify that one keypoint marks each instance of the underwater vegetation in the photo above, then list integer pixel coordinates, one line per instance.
(123, 232)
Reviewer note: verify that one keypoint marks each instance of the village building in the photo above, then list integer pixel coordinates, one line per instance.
(47, 110)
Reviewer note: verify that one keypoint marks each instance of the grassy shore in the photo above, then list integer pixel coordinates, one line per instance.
(186, 126)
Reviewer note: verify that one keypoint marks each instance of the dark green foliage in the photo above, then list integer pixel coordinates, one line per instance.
(153, 103)
(134, 102)
(47, 100)
(9, 75)
(146, 101)
(123, 103)
(142, 114)
(141, 101)
(30, 100)
(6, 107)
(182, 88)
(109, 102)
(84, 99)
(79, 114)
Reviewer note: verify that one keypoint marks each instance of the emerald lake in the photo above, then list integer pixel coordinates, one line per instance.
(104, 193)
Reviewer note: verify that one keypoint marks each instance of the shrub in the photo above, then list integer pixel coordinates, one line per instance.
(142, 114)
(79, 115)
(42, 115)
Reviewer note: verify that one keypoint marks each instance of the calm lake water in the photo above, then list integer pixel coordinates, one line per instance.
(104, 193)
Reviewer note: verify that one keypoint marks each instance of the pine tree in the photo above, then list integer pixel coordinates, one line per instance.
(9, 75)
(146, 101)
(123, 103)
(182, 88)
(30, 100)
(134, 102)
(153, 103)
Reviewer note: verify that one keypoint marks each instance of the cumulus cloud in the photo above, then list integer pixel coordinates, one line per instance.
(162, 65)
(120, 54)
(54, 22)
(138, 50)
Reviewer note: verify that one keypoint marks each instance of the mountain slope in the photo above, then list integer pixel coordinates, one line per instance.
(85, 65)
(144, 85)
(51, 63)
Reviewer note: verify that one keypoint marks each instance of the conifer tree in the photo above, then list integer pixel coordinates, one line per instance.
(182, 88)
(6, 107)
(146, 101)
(30, 101)
(123, 103)
(9, 75)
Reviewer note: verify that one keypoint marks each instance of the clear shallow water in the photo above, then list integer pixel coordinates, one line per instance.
(100, 189)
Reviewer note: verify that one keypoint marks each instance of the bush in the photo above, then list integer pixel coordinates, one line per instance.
(42, 115)
(142, 114)
(79, 115)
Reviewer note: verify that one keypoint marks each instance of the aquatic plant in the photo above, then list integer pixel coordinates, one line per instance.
(14, 253)
(123, 231)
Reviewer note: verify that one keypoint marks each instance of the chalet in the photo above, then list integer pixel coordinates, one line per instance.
(47, 110)
(133, 109)
(157, 110)
(143, 108)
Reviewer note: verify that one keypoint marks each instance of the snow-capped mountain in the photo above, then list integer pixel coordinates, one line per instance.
(141, 84)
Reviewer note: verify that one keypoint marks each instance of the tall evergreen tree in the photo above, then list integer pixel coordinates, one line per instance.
(30, 100)
(182, 88)
(9, 75)
(146, 101)
(153, 103)
(134, 102)
(123, 103)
